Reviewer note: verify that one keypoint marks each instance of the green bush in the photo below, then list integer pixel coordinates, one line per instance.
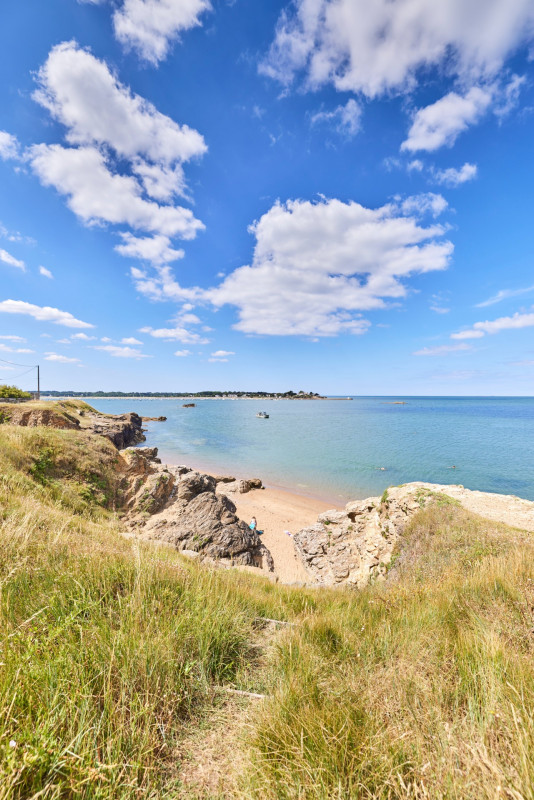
(13, 392)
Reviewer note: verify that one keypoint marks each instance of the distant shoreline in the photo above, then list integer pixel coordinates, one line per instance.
(193, 397)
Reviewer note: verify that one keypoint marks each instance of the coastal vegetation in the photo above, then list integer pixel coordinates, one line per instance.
(113, 651)
(13, 392)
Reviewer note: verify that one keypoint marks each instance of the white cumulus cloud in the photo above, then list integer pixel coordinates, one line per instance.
(4, 348)
(130, 340)
(155, 249)
(97, 195)
(80, 91)
(467, 335)
(150, 26)
(108, 127)
(428, 202)
(222, 353)
(316, 266)
(440, 123)
(162, 285)
(377, 47)
(45, 273)
(42, 313)
(182, 353)
(454, 177)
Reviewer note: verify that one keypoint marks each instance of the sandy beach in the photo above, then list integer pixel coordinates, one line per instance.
(278, 511)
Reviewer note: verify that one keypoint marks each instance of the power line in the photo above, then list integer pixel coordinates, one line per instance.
(21, 374)
(13, 364)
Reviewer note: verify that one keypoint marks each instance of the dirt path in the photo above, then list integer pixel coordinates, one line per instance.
(277, 512)
(212, 748)
(212, 752)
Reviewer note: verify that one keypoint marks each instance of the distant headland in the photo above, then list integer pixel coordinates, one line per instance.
(228, 395)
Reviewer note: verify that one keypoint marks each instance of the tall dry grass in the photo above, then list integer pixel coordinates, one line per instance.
(421, 687)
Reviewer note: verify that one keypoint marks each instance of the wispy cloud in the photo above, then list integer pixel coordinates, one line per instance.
(479, 329)
(120, 352)
(454, 177)
(7, 258)
(61, 359)
(504, 294)
(345, 119)
(442, 350)
(42, 313)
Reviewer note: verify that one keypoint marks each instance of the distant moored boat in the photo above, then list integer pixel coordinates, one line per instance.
(262, 415)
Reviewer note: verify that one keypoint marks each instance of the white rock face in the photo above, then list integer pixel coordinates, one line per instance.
(354, 546)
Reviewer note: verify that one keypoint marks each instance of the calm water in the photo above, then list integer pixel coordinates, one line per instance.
(334, 448)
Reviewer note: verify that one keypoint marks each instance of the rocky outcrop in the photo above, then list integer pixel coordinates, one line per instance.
(225, 485)
(154, 419)
(123, 430)
(181, 507)
(29, 417)
(354, 546)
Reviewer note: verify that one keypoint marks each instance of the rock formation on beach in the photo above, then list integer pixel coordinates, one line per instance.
(123, 430)
(181, 507)
(354, 546)
(233, 485)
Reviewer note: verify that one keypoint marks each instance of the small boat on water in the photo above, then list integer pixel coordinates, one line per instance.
(262, 415)
(188, 405)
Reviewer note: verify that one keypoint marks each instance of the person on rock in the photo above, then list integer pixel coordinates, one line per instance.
(253, 525)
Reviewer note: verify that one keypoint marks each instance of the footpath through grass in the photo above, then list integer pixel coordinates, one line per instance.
(422, 687)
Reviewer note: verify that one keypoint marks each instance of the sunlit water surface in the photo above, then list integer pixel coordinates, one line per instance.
(335, 449)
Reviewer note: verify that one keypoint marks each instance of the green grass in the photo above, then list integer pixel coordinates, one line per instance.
(419, 687)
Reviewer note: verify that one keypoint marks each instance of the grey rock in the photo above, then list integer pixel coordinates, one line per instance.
(183, 509)
(353, 546)
(239, 486)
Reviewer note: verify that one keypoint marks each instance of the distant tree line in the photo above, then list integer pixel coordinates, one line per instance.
(210, 393)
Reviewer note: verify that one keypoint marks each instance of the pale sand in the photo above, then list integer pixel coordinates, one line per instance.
(278, 511)
(506, 508)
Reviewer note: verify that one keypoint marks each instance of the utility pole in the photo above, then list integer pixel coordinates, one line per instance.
(38, 384)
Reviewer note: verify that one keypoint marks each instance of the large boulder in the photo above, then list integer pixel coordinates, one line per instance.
(354, 546)
(146, 485)
(182, 508)
(123, 430)
(240, 486)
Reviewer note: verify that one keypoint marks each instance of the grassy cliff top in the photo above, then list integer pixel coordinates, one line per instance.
(110, 652)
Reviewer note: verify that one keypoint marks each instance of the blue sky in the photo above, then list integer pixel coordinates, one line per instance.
(324, 195)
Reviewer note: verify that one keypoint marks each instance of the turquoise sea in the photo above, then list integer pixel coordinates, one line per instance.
(334, 448)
